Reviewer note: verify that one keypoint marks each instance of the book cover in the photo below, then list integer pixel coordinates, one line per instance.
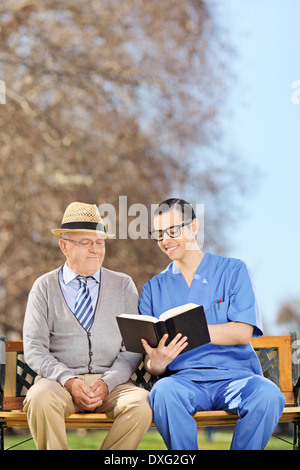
(188, 319)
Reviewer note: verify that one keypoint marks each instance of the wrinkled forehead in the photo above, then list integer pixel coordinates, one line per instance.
(167, 219)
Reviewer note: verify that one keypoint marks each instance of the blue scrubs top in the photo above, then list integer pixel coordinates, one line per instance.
(216, 278)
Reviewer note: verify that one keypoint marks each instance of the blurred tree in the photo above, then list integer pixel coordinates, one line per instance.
(103, 99)
(288, 316)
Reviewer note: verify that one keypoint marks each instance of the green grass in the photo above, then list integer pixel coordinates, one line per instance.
(91, 440)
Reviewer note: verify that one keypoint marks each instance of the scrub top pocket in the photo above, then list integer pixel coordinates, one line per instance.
(217, 313)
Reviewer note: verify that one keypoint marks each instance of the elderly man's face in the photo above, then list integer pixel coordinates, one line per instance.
(86, 258)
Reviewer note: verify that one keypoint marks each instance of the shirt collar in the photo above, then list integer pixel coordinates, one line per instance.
(69, 275)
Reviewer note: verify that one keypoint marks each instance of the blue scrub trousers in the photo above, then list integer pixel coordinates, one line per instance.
(258, 402)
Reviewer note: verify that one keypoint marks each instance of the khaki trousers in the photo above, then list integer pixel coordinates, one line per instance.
(47, 404)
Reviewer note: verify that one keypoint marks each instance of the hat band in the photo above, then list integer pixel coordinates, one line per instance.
(83, 225)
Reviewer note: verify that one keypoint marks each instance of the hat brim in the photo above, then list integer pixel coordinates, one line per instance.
(59, 231)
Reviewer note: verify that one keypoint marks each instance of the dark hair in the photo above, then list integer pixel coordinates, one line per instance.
(180, 205)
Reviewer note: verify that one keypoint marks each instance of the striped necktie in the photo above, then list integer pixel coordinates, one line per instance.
(83, 304)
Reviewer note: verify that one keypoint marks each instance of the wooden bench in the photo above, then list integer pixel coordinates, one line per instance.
(275, 354)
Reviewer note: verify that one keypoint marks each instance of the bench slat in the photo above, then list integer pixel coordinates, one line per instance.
(101, 421)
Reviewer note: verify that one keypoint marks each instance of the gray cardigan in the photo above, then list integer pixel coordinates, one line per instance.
(57, 347)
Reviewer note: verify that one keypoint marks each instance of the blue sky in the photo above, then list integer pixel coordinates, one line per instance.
(264, 129)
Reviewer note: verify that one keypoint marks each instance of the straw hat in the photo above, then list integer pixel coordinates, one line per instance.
(80, 217)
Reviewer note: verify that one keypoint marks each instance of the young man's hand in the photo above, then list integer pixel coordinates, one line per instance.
(159, 358)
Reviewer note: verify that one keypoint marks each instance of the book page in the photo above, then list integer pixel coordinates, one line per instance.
(139, 317)
(177, 310)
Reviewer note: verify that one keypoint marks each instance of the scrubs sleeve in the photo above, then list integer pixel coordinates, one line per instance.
(243, 304)
(145, 303)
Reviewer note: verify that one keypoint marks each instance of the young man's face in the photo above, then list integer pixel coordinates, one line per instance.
(183, 238)
(84, 260)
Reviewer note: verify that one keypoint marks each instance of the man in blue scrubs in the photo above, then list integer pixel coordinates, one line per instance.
(224, 374)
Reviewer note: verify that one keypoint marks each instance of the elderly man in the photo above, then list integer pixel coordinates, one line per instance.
(72, 341)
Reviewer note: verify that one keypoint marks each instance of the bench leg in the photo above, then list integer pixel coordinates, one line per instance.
(296, 443)
(2, 426)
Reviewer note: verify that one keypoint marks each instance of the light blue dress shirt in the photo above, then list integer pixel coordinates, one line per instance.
(70, 285)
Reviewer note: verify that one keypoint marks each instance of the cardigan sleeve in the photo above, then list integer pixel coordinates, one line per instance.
(36, 337)
(126, 362)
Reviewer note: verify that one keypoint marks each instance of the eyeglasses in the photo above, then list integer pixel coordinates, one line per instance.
(173, 232)
(87, 243)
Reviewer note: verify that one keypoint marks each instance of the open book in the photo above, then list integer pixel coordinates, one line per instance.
(188, 319)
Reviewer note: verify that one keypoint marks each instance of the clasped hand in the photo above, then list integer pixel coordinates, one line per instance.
(87, 398)
(159, 358)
